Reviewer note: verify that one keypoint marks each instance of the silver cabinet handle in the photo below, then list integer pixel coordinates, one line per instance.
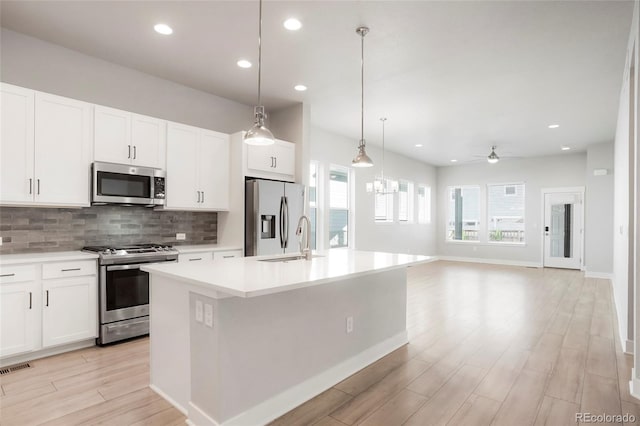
(47, 291)
(8, 275)
(227, 257)
(30, 186)
(135, 152)
(129, 155)
(275, 162)
(198, 196)
(194, 259)
(38, 180)
(203, 196)
(70, 269)
(30, 300)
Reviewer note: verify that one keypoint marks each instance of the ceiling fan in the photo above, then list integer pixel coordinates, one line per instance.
(492, 158)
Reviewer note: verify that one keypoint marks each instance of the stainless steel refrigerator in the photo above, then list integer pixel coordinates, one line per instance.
(272, 211)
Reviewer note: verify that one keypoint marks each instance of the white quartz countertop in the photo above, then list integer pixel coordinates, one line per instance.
(251, 277)
(60, 256)
(204, 247)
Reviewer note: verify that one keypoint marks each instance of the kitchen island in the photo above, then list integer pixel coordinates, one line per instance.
(242, 341)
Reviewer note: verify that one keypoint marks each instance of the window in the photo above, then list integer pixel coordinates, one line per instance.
(505, 213)
(313, 202)
(384, 204)
(463, 223)
(424, 204)
(338, 207)
(405, 201)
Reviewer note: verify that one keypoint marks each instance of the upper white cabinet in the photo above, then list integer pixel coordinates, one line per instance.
(277, 161)
(45, 149)
(197, 169)
(127, 138)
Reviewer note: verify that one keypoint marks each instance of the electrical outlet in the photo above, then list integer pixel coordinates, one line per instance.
(199, 309)
(208, 315)
(349, 325)
(181, 236)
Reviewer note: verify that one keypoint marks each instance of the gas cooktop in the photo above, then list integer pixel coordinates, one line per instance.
(132, 253)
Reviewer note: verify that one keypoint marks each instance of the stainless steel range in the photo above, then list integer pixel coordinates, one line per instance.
(124, 288)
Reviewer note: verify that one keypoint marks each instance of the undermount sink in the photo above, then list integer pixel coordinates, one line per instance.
(288, 258)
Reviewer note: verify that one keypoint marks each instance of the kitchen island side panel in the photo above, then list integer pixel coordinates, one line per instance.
(261, 347)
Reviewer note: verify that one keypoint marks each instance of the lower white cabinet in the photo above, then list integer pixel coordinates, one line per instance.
(47, 304)
(195, 257)
(69, 311)
(217, 255)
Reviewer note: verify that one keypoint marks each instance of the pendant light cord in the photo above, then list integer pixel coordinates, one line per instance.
(260, 54)
(362, 34)
(382, 174)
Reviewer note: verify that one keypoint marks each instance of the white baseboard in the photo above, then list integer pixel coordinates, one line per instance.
(30, 356)
(284, 402)
(169, 400)
(603, 275)
(491, 261)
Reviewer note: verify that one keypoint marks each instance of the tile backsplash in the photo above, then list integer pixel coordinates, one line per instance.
(30, 229)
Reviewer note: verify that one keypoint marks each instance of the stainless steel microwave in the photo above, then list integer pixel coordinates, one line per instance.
(126, 184)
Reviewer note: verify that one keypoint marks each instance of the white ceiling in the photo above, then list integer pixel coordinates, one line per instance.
(457, 77)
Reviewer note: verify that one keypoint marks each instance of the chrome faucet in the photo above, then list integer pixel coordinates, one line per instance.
(306, 250)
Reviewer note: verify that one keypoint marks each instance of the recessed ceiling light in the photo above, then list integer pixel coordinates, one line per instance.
(454, 161)
(565, 148)
(300, 87)
(418, 145)
(163, 29)
(553, 126)
(292, 24)
(243, 63)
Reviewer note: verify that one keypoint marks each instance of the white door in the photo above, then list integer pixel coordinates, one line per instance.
(16, 145)
(112, 135)
(214, 170)
(62, 151)
(69, 311)
(182, 167)
(18, 305)
(563, 230)
(148, 140)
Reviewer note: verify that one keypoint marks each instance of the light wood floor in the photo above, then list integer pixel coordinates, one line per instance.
(488, 345)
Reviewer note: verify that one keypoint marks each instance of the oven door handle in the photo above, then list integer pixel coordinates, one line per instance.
(111, 327)
(123, 267)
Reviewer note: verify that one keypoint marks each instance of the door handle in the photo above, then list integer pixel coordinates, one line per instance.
(47, 292)
(129, 156)
(198, 196)
(69, 270)
(194, 259)
(286, 219)
(203, 196)
(8, 275)
(281, 222)
(275, 162)
(30, 300)
(30, 186)
(38, 180)
(135, 152)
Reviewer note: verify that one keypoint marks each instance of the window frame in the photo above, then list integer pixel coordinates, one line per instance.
(489, 241)
(349, 209)
(411, 194)
(479, 223)
(427, 204)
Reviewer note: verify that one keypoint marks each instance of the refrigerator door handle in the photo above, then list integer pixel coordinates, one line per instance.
(281, 222)
(286, 218)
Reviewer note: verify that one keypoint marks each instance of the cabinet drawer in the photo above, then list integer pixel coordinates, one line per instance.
(195, 257)
(16, 274)
(68, 269)
(227, 254)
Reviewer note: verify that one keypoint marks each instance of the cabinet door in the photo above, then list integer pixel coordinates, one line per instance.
(260, 158)
(182, 167)
(148, 139)
(18, 309)
(214, 170)
(285, 158)
(195, 257)
(62, 151)
(112, 135)
(228, 254)
(69, 311)
(16, 144)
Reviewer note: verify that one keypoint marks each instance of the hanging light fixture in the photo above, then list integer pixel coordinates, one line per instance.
(381, 185)
(259, 134)
(362, 159)
(493, 157)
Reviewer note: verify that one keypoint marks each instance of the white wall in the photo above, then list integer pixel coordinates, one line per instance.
(329, 148)
(598, 238)
(39, 65)
(537, 173)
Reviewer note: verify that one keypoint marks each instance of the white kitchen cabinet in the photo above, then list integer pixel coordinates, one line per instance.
(19, 310)
(69, 311)
(195, 257)
(227, 254)
(197, 169)
(126, 138)
(45, 148)
(16, 146)
(275, 161)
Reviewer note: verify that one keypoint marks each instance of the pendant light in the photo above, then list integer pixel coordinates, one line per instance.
(380, 185)
(493, 157)
(259, 134)
(362, 159)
